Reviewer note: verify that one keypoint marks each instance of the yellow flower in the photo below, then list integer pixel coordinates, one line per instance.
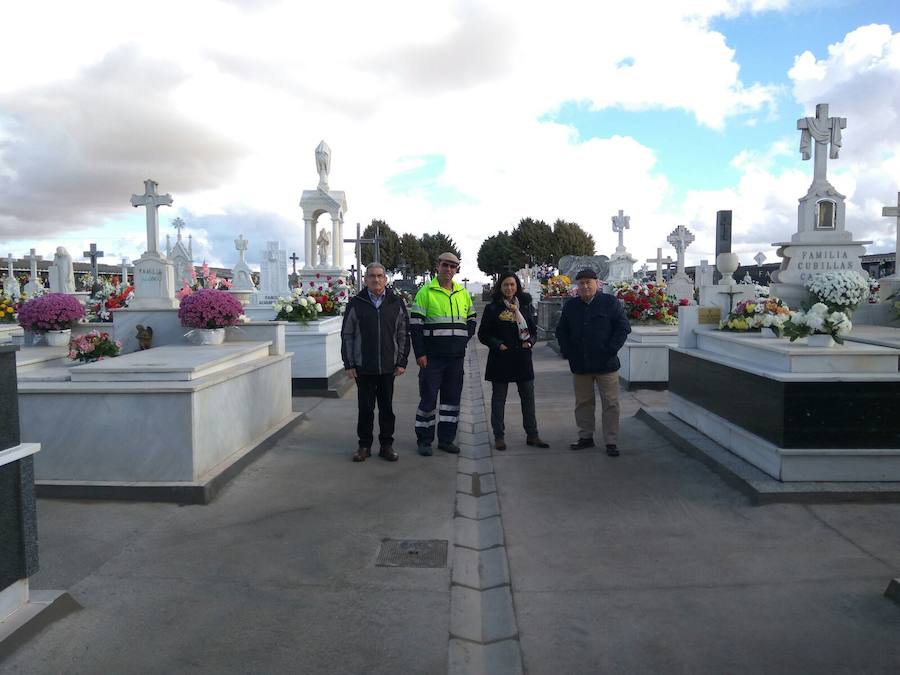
(9, 310)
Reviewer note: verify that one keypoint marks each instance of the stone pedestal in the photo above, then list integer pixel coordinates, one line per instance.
(800, 261)
(644, 357)
(167, 328)
(682, 287)
(316, 365)
(621, 267)
(154, 283)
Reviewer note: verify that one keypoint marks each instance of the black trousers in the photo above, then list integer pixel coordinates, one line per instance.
(369, 390)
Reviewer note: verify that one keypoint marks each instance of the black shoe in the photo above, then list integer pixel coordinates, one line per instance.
(499, 444)
(361, 454)
(387, 452)
(536, 442)
(450, 447)
(612, 450)
(582, 444)
(424, 449)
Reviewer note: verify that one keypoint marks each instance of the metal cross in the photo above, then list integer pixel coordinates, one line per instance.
(465, 284)
(294, 258)
(152, 200)
(93, 254)
(376, 240)
(894, 212)
(730, 295)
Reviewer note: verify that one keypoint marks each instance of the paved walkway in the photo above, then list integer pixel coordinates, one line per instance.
(647, 563)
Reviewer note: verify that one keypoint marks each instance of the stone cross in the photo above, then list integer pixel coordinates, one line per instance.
(93, 254)
(760, 258)
(620, 223)
(680, 239)
(33, 286)
(824, 130)
(9, 265)
(125, 271)
(152, 201)
(894, 212)
(659, 260)
(293, 257)
(178, 224)
(241, 245)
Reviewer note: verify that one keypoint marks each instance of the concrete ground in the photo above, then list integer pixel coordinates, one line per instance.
(647, 563)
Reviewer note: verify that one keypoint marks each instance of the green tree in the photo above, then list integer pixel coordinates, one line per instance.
(570, 239)
(389, 245)
(414, 255)
(497, 254)
(435, 244)
(534, 240)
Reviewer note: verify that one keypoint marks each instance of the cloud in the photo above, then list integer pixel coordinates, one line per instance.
(73, 153)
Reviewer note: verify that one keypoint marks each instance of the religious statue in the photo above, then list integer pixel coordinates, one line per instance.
(144, 336)
(323, 164)
(62, 272)
(322, 243)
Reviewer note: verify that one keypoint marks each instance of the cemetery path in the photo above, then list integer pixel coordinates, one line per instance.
(645, 563)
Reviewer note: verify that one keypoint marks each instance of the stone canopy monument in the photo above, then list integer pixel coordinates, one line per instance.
(821, 243)
(315, 203)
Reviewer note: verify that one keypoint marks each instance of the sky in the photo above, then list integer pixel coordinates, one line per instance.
(449, 115)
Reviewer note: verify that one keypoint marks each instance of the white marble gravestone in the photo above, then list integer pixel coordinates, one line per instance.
(621, 264)
(323, 255)
(10, 283)
(821, 243)
(154, 276)
(34, 286)
(273, 275)
(181, 256)
(681, 285)
(61, 274)
(704, 274)
(241, 275)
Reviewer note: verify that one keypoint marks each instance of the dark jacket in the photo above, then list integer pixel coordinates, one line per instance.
(514, 363)
(591, 335)
(375, 340)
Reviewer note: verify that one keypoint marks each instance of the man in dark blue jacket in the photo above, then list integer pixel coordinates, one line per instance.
(592, 329)
(375, 349)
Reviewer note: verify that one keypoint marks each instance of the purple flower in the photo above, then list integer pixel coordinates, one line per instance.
(54, 311)
(209, 308)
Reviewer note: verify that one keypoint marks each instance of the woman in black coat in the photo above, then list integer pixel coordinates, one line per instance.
(509, 329)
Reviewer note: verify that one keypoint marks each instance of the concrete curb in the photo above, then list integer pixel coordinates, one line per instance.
(484, 634)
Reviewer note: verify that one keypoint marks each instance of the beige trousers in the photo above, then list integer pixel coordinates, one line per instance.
(585, 403)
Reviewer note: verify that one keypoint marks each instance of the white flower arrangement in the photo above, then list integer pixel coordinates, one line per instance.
(818, 319)
(841, 291)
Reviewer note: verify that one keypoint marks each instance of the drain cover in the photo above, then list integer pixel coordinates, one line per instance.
(412, 553)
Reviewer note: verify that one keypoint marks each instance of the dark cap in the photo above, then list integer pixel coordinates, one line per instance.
(586, 274)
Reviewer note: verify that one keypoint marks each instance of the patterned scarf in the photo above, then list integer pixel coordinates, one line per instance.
(515, 315)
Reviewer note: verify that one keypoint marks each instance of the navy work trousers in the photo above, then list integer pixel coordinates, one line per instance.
(442, 376)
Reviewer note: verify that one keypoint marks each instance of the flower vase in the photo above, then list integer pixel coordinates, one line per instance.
(820, 340)
(58, 338)
(208, 336)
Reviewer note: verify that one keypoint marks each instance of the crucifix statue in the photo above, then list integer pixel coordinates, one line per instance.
(93, 254)
(659, 260)
(680, 239)
(894, 212)
(152, 200)
(824, 130)
(620, 223)
(293, 257)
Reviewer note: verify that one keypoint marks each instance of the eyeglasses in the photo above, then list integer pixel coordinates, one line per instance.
(451, 265)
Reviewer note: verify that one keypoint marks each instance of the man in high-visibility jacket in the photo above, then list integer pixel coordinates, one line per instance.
(441, 321)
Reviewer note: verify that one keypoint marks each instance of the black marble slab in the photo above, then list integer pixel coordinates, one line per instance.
(18, 522)
(9, 399)
(791, 414)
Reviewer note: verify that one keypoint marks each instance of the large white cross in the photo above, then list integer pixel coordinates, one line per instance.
(824, 130)
(152, 200)
(241, 245)
(894, 212)
(659, 260)
(680, 238)
(9, 263)
(620, 223)
(33, 261)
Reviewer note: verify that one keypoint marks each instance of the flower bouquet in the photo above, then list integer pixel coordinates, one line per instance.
(52, 311)
(110, 295)
(840, 291)
(647, 302)
(544, 272)
(8, 309)
(756, 314)
(209, 308)
(206, 279)
(818, 320)
(297, 307)
(332, 294)
(556, 286)
(93, 346)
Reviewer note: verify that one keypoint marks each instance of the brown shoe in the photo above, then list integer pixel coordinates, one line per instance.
(387, 453)
(361, 454)
(536, 442)
(499, 444)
